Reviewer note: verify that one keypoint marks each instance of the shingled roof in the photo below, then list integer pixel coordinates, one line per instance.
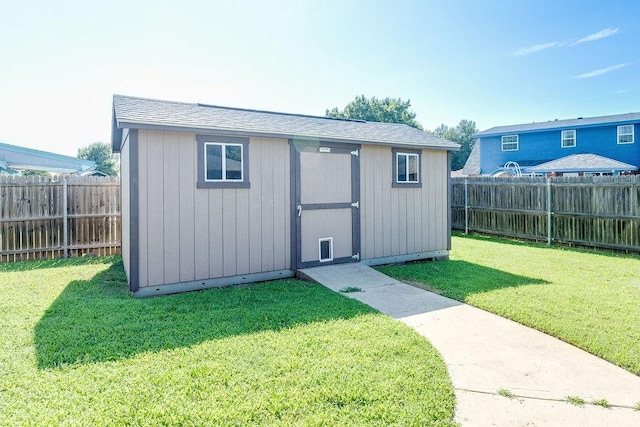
(141, 113)
(582, 163)
(617, 119)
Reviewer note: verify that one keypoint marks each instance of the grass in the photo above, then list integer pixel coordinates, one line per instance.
(576, 400)
(350, 289)
(601, 402)
(588, 299)
(76, 349)
(506, 393)
(637, 407)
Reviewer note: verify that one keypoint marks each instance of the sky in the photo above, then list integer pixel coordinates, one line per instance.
(493, 62)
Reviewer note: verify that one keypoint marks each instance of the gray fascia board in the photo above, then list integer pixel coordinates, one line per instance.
(231, 132)
(116, 134)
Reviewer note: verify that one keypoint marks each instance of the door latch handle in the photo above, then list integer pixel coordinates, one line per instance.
(299, 210)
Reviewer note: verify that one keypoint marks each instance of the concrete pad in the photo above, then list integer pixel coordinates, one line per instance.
(485, 353)
(378, 290)
(339, 276)
(474, 409)
(401, 300)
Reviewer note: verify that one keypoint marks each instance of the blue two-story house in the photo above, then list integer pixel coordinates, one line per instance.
(598, 145)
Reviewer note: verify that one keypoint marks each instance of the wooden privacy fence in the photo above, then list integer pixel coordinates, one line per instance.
(44, 217)
(600, 212)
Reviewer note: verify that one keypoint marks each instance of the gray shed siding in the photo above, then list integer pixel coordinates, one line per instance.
(188, 234)
(402, 221)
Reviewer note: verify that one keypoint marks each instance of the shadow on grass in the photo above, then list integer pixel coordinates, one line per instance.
(97, 320)
(557, 246)
(457, 279)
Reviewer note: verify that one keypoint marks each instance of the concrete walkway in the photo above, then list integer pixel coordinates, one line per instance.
(486, 353)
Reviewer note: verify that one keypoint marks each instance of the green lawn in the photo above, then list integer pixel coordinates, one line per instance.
(76, 349)
(589, 299)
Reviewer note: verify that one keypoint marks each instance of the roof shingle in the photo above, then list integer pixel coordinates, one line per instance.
(560, 124)
(582, 163)
(132, 112)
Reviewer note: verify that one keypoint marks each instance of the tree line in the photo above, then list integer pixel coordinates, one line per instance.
(396, 110)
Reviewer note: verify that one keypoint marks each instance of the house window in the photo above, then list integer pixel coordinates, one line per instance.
(510, 143)
(222, 162)
(406, 168)
(625, 134)
(568, 138)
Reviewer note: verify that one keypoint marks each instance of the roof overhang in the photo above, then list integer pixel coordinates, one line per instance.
(500, 131)
(13, 158)
(118, 126)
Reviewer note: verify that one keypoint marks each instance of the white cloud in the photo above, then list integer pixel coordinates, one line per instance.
(607, 32)
(599, 72)
(535, 48)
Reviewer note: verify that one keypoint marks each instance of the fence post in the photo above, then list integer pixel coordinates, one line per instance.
(549, 212)
(466, 207)
(65, 226)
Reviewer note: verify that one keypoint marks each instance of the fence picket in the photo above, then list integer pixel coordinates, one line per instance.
(586, 211)
(32, 210)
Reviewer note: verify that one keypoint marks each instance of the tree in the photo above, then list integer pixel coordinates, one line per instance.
(387, 110)
(100, 152)
(463, 135)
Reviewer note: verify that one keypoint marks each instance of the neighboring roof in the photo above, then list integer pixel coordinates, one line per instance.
(14, 158)
(142, 113)
(582, 163)
(472, 165)
(627, 118)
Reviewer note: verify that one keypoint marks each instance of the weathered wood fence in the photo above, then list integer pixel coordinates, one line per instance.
(44, 217)
(599, 212)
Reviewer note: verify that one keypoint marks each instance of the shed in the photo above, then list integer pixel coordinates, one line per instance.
(213, 196)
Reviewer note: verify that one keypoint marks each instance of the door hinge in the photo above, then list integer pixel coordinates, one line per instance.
(354, 153)
(356, 256)
(356, 204)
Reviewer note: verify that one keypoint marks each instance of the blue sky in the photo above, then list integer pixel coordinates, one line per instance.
(494, 62)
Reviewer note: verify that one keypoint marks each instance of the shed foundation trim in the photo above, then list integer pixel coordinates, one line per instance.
(406, 258)
(196, 285)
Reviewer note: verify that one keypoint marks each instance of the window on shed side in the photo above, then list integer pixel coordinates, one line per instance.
(510, 143)
(568, 138)
(407, 167)
(223, 162)
(625, 134)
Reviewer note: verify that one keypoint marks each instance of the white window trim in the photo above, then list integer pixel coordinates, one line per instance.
(625, 134)
(224, 146)
(408, 155)
(516, 142)
(564, 138)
